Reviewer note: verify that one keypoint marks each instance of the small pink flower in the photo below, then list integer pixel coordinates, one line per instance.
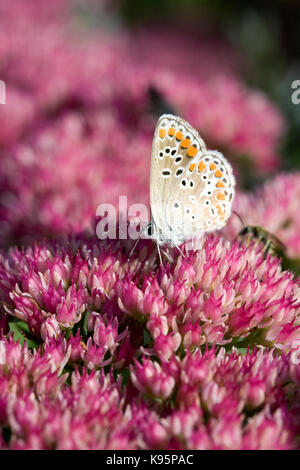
(71, 307)
(165, 346)
(94, 355)
(50, 328)
(77, 348)
(149, 378)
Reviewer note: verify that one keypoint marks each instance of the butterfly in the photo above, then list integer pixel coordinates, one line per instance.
(191, 187)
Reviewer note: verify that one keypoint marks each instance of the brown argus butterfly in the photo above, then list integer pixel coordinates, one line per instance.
(191, 188)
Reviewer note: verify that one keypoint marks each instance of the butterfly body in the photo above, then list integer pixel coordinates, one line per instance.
(191, 188)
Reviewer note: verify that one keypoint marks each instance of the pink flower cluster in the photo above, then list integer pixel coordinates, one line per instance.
(78, 124)
(128, 354)
(98, 351)
(204, 401)
(41, 200)
(42, 412)
(224, 294)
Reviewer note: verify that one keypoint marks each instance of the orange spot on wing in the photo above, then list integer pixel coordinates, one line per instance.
(221, 196)
(191, 151)
(162, 133)
(179, 135)
(185, 143)
(220, 212)
(219, 174)
(220, 184)
(212, 166)
(192, 166)
(201, 166)
(171, 131)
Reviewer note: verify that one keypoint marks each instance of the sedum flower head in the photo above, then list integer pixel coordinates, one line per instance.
(223, 294)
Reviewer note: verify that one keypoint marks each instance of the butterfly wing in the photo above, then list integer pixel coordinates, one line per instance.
(203, 193)
(191, 188)
(165, 158)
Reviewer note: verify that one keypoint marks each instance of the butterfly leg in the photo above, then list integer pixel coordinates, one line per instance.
(180, 251)
(159, 254)
(169, 258)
